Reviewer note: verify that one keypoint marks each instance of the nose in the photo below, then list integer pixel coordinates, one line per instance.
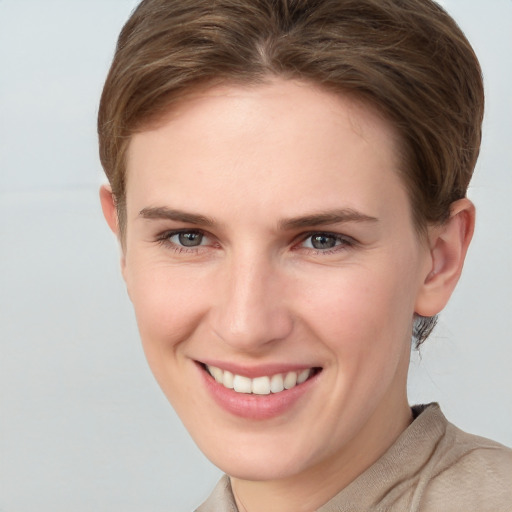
(250, 312)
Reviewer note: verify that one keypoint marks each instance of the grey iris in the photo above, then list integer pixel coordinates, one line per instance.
(322, 241)
(190, 239)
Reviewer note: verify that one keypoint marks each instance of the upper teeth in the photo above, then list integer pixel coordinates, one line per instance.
(259, 385)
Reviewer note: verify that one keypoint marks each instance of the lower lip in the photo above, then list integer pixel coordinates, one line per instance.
(252, 406)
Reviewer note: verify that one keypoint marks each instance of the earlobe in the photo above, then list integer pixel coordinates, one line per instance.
(448, 247)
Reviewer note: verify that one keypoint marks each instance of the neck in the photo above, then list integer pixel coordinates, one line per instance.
(307, 491)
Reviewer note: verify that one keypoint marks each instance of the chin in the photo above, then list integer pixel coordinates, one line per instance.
(257, 469)
(257, 459)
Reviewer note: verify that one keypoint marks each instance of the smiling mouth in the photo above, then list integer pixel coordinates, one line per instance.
(264, 385)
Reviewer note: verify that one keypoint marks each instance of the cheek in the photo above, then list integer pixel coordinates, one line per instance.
(360, 312)
(168, 305)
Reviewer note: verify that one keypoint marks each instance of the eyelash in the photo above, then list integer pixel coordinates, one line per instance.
(342, 242)
(164, 239)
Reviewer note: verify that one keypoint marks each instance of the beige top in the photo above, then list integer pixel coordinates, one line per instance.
(432, 467)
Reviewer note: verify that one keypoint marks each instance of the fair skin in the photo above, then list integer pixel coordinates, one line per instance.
(269, 233)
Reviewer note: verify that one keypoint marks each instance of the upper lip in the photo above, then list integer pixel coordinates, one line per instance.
(261, 370)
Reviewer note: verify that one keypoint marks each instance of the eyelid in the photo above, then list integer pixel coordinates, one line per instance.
(346, 241)
(163, 238)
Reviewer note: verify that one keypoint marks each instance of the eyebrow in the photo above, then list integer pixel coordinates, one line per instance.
(328, 217)
(314, 219)
(162, 212)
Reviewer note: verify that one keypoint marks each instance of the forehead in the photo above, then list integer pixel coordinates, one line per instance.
(287, 139)
(289, 100)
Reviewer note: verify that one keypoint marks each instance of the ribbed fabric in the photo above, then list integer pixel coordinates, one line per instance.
(432, 467)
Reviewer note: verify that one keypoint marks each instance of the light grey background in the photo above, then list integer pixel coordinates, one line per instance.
(83, 426)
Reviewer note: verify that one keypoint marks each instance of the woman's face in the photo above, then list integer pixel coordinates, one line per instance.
(269, 238)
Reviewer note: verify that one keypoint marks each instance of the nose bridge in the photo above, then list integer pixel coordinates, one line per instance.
(251, 311)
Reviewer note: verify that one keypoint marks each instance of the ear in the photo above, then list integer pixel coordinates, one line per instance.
(448, 245)
(108, 205)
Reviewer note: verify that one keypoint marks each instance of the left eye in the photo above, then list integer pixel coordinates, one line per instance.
(187, 238)
(323, 241)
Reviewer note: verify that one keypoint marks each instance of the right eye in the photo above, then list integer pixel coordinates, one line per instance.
(187, 238)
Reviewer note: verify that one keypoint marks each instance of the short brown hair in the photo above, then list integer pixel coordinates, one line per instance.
(408, 58)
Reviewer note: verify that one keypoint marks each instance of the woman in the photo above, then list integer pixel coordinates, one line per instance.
(288, 182)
